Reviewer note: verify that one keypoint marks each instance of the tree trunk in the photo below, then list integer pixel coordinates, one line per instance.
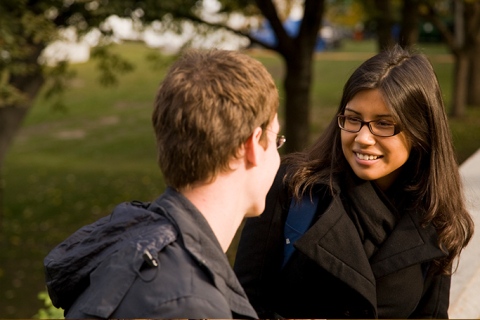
(472, 18)
(1, 197)
(11, 117)
(473, 96)
(298, 55)
(10, 120)
(297, 101)
(409, 29)
(460, 84)
(384, 24)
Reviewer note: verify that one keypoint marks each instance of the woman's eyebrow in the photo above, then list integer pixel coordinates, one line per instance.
(376, 116)
(348, 109)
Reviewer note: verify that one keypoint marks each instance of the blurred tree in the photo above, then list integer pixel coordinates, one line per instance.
(473, 90)
(473, 96)
(382, 13)
(395, 21)
(347, 13)
(385, 22)
(26, 28)
(464, 43)
(410, 23)
(297, 52)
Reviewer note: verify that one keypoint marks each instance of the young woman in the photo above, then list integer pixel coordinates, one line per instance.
(388, 217)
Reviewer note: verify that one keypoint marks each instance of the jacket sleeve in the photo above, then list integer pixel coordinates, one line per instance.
(435, 299)
(260, 250)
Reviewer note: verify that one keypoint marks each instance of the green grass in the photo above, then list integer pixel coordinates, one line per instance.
(67, 169)
(370, 45)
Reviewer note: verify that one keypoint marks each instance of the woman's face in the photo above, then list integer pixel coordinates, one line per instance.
(371, 157)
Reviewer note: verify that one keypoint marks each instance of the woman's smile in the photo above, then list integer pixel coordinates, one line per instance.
(362, 156)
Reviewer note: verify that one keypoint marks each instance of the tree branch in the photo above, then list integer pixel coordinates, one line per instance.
(312, 19)
(474, 26)
(470, 17)
(268, 10)
(239, 32)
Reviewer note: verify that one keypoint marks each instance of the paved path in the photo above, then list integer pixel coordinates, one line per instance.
(465, 291)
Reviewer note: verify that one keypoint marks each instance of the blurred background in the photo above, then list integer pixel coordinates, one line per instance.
(78, 79)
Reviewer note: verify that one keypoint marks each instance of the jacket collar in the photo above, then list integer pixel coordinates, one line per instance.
(203, 245)
(408, 244)
(339, 250)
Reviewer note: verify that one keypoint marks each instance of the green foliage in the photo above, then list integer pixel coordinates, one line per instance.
(159, 61)
(373, 12)
(110, 64)
(49, 312)
(10, 95)
(346, 13)
(59, 75)
(57, 79)
(246, 7)
(23, 34)
(29, 26)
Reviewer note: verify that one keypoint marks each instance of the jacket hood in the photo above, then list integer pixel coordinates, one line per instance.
(68, 266)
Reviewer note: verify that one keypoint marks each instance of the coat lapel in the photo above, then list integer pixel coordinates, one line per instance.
(338, 249)
(408, 244)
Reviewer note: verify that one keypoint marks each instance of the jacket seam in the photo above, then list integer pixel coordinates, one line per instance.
(189, 296)
(348, 266)
(437, 298)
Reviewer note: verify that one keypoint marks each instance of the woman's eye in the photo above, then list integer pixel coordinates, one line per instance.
(384, 124)
(352, 120)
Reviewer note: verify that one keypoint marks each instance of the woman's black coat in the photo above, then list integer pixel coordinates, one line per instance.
(330, 276)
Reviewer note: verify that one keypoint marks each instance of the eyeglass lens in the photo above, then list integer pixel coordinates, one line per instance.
(280, 140)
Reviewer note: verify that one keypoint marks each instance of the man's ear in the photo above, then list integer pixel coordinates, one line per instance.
(253, 148)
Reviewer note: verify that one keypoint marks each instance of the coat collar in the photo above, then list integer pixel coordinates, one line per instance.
(203, 245)
(338, 249)
(408, 244)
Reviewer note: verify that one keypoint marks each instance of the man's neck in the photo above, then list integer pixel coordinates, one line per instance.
(222, 204)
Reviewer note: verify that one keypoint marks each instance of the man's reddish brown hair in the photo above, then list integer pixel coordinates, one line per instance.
(207, 106)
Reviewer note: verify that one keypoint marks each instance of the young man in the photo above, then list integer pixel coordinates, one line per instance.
(215, 121)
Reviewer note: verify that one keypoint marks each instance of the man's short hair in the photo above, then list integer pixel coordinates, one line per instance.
(206, 107)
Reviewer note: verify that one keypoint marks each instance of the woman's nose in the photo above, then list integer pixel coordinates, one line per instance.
(364, 136)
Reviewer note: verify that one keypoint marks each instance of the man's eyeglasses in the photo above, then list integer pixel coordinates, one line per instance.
(280, 141)
(381, 128)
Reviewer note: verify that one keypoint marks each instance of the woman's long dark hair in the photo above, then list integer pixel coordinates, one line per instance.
(411, 92)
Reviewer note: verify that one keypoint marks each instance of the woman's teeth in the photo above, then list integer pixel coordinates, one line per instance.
(366, 156)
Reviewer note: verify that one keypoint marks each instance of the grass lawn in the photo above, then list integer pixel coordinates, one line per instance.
(68, 168)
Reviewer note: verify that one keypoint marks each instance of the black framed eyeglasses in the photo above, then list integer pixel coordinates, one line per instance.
(381, 128)
(280, 141)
